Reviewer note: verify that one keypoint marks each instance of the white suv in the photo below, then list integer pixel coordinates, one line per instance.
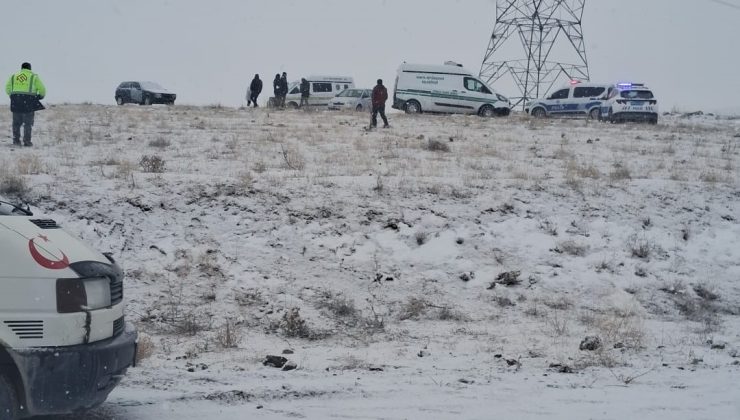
(630, 102)
(576, 99)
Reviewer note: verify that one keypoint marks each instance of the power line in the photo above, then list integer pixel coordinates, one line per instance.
(724, 3)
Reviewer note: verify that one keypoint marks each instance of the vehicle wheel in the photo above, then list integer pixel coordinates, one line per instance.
(653, 120)
(610, 117)
(487, 111)
(119, 100)
(413, 107)
(594, 114)
(147, 100)
(358, 108)
(292, 105)
(8, 400)
(538, 113)
(171, 103)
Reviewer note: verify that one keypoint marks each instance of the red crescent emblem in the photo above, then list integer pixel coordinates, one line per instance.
(45, 262)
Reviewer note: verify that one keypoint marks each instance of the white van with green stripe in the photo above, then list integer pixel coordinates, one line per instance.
(449, 89)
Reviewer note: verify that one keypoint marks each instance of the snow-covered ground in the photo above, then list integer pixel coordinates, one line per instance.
(448, 267)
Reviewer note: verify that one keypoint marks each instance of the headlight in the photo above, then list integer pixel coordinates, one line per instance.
(79, 295)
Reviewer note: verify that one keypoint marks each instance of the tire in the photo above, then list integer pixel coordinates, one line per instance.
(487, 111)
(358, 108)
(538, 113)
(147, 100)
(653, 120)
(119, 100)
(413, 107)
(292, 105)
(8, 400)
(594, 114)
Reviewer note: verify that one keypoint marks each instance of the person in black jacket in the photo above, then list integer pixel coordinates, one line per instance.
(255, 88)
(276, 90)
(283, 89)
(305, 92)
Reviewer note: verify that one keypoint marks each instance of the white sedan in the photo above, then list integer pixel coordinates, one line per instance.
(353, 99)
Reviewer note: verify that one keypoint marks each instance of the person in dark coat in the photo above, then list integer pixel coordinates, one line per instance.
(305, 92)
(276, 90)
(255, 88)
(283, 89)
(380, 95)
(25, 90)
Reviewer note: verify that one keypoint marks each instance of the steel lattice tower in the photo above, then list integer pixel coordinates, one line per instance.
(550, 32)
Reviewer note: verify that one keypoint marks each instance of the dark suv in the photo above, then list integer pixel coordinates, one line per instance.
(143, 93)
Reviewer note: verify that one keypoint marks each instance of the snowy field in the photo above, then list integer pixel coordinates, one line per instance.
(448, 267)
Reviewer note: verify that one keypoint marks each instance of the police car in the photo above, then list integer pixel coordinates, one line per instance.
(630, 102)
(575, 99)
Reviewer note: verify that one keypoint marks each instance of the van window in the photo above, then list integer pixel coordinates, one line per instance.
(588, 92)
(321, 87)
(560, 94)
(295, 90)
(475, 85)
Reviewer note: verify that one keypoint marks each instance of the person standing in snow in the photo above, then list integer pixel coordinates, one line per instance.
(255, 88)
(25, 89)
(379, 96)
(283, 89)
(305, 92)
(276, 90)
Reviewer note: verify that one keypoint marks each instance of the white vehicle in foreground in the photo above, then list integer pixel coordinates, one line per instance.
(575, 99)
(64, 344)
(352, 99)
(630, 102)
(322, 90)
(449, 88)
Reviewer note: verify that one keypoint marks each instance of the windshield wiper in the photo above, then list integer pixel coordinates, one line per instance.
(26, 211)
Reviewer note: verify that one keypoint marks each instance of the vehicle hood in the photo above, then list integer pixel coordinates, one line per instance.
(157, 90)
(36, 247)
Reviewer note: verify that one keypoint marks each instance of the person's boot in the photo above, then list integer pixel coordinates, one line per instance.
(16, 142)
(27, 143)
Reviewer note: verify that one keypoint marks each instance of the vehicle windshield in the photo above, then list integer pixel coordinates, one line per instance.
(151, 85)
(636, 94)
(350, 93)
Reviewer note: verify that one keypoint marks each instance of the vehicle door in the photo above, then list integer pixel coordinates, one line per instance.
(585, 99)
(321, 93)
(556, 103)
(136, 93)
(366, 99)
(476, 94)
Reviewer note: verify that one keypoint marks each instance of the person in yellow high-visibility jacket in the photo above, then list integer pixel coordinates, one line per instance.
(25, 89)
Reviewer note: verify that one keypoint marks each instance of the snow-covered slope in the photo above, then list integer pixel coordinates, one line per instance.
(450, 266)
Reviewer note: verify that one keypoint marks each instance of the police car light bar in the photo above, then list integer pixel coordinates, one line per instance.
(575, 82)
(628, 85)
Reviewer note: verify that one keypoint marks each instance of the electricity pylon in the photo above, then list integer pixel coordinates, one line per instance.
(551, 35)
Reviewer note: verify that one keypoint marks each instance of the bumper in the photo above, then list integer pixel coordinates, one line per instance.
(634, 116)
(164, 99)
(61, 380)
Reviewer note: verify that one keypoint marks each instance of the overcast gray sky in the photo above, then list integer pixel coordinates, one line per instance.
(208, 51)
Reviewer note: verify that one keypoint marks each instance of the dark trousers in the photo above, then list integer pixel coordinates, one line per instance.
(378, 109)
(253, 99)
(22, 119)
(304, 101)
